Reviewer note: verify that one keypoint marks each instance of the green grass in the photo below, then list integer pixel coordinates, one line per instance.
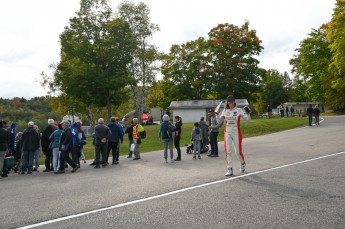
(249, 129)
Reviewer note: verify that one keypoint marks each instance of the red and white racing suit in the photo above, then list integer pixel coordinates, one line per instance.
(233, 134)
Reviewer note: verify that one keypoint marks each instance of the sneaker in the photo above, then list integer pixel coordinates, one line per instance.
(29, 172)
(214, 155)
(97, 167)
(229, 172)
(194, 157)
(22, 172)
(74, 169)
(93, 163)
(210, 155)
(177, 159)
(46, 170)
(172, 160)
(243, 167)
(84, 161)
(129, 157)
(165, 160)
(199, 157)
(136, 158)
(59, 172)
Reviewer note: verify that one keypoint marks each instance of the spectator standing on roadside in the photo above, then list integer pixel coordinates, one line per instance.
(137, 129)
(177, 139)
(214, 129)
(129, 132)
(55, 140)
(45, 143)
(114, 140)
(310, 112)
(4, 145)
(165, 135)
(102, 134)
(287, 111)
(30, 145)
(292, 111)
(196, 138)
(317, 115)
(66, 147)
(281, 109)
(269, 111)
(204, 134)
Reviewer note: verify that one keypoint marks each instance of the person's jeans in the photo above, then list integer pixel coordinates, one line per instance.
(37, 158)
(76, 154)
(64, 157)
(177, 146)
(101, 149)
(168, 145)
(112, 146)
(28, 160)
(129, 148)
(214, 143)
(48, 154)
(317, 120)
(310, 117)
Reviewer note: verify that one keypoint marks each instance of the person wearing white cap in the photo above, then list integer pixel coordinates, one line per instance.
(30, 143)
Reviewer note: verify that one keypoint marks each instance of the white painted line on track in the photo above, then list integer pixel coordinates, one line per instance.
(172, 192)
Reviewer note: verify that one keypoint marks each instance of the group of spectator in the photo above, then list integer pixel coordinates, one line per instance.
(62, 144)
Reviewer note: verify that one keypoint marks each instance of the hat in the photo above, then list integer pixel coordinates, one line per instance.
(65, 122)
(31, 123)
(230, 98)
(211, 110)
(50, 121)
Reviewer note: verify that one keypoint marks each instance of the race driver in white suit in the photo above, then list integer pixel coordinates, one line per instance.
(232, 115)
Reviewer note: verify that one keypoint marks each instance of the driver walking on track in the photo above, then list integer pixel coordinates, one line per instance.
(232, 133)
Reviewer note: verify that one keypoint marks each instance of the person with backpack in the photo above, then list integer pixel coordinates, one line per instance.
(166, 134)
(196, 138)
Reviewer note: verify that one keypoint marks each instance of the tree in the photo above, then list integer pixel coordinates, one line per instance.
(336, 39)
(95, 52)
(187, 67)
(234, 69)
(311, 63)
(143, 65)
(274, 88)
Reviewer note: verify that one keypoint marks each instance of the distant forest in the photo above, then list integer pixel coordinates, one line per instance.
(21, 111)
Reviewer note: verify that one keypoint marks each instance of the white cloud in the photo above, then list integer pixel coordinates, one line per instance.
(30, 31)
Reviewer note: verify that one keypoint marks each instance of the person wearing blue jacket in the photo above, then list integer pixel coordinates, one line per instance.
(114, 139)
(66, 146)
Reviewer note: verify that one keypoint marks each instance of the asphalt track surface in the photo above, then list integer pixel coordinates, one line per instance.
(293, 179)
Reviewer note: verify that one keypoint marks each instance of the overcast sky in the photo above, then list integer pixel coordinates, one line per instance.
(30, 29)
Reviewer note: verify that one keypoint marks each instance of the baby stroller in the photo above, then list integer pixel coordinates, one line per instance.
(190, 149)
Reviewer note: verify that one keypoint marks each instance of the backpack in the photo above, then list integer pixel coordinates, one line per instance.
(168, 130)
(143, 134)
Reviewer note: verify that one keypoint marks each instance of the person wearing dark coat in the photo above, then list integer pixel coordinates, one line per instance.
(102, 134)
(310, 112)
(30, 143)
(4, 145)
(45, 144)
(114, 139)
(66, 147)
(177, 139)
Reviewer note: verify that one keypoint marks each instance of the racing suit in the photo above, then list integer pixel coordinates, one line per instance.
(233, 134)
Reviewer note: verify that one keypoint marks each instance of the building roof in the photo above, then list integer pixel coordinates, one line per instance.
(201, 104)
